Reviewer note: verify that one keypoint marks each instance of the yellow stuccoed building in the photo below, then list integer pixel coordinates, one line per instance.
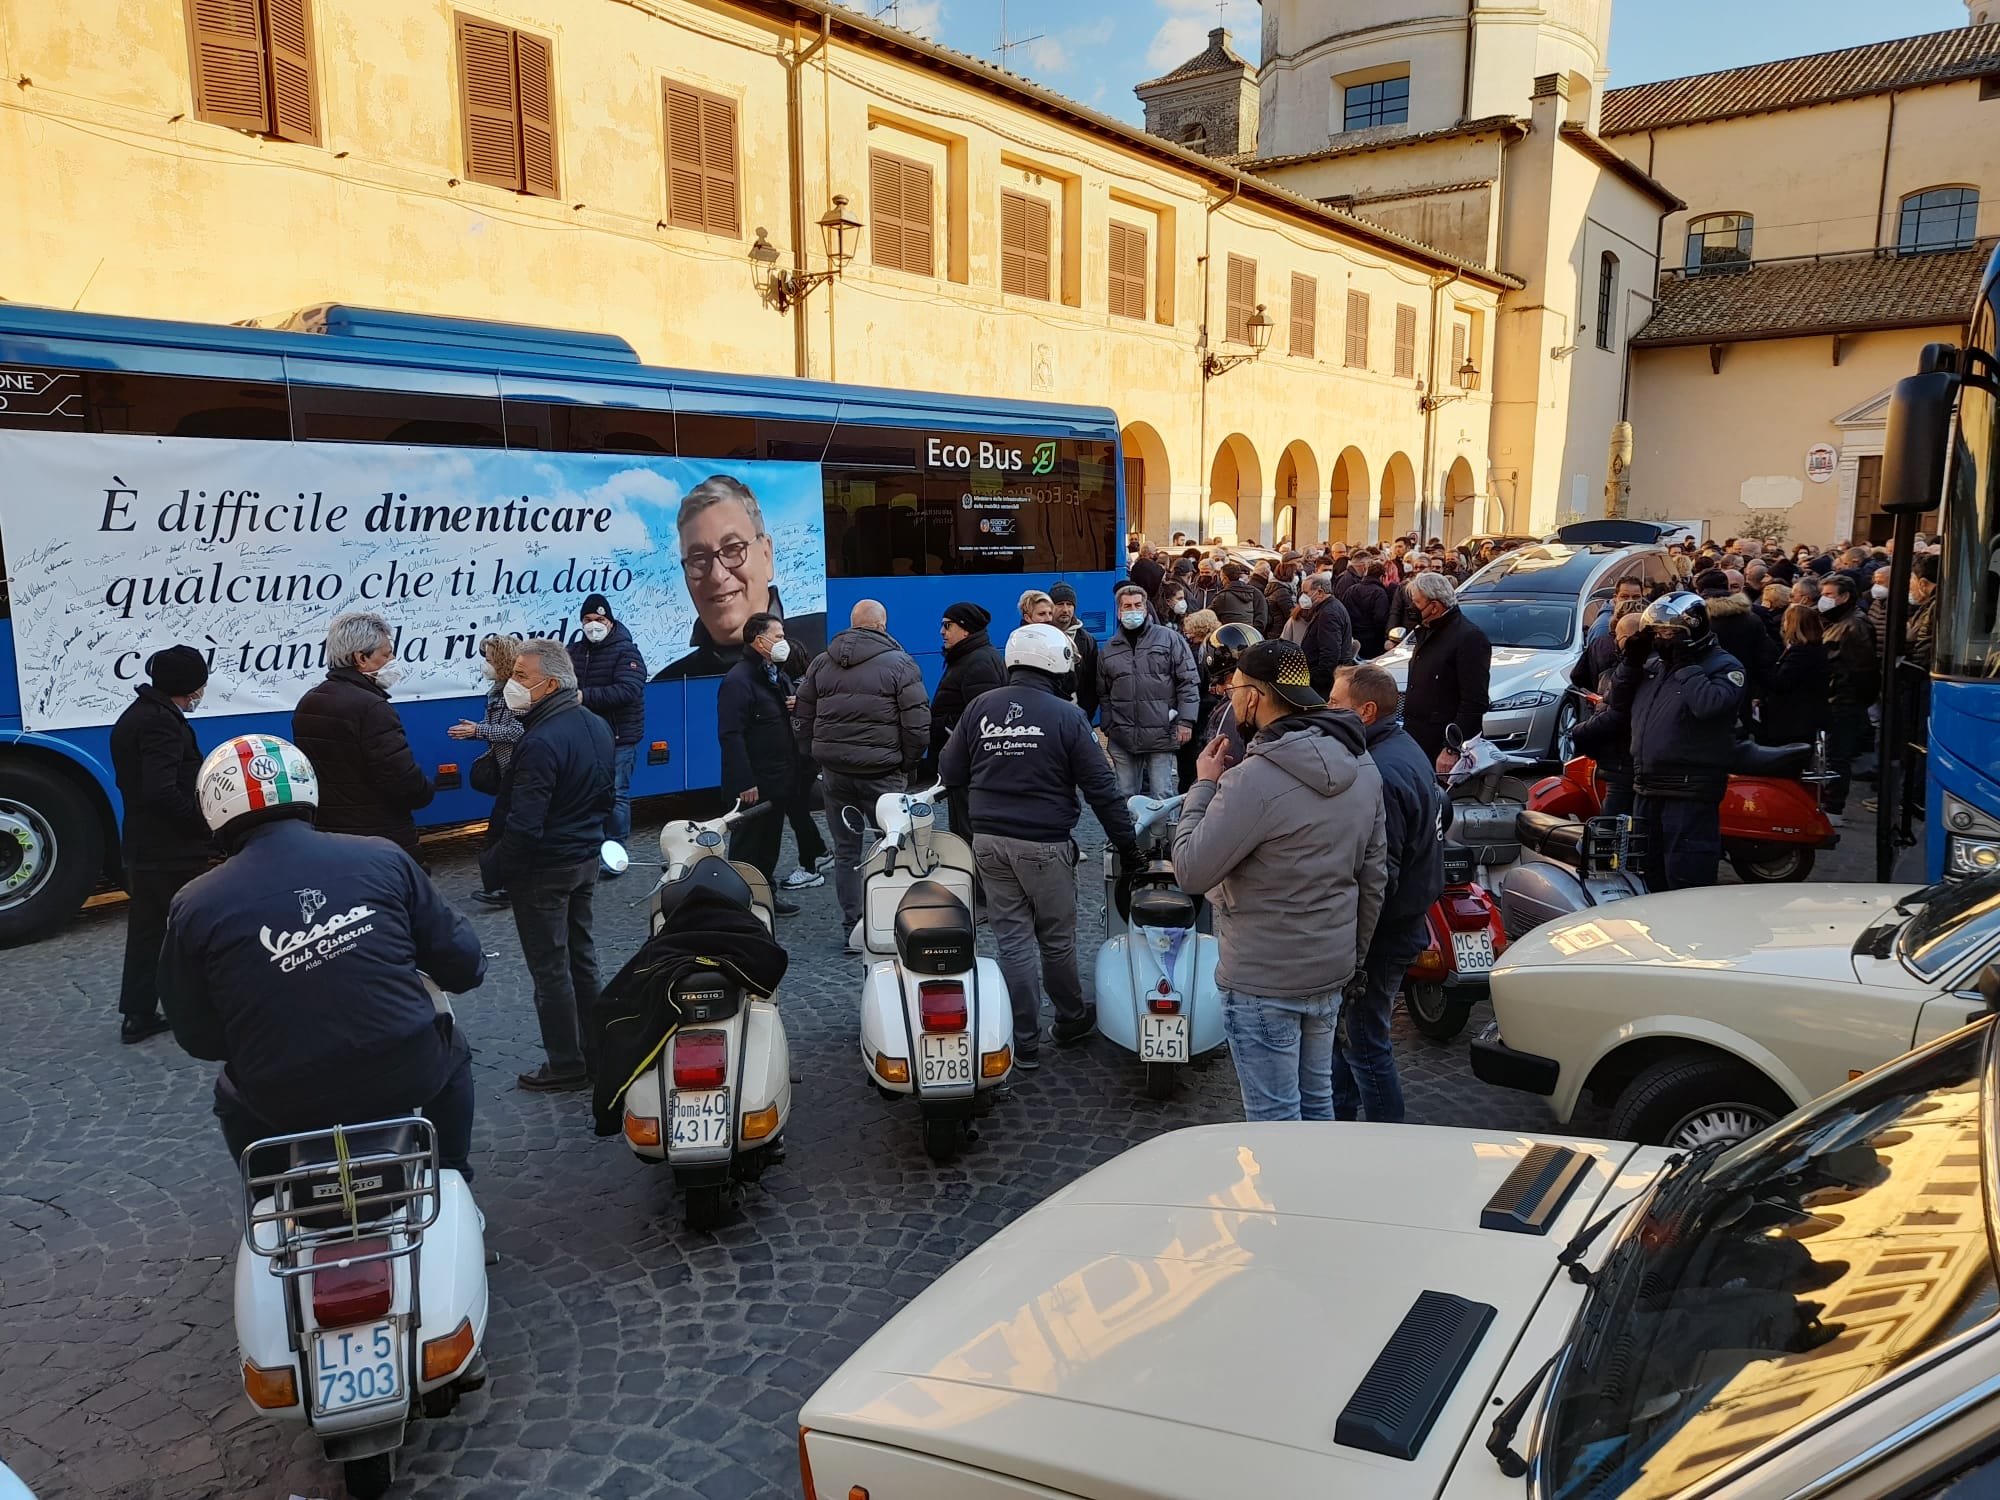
(660, 169)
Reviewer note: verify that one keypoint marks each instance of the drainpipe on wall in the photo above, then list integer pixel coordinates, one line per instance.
(1888, 147)
(1201, 349)
(1471, 57)
(796, 151)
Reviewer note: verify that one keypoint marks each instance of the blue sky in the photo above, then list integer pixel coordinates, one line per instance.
(1095, 52)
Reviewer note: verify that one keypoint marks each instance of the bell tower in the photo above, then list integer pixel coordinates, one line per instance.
(1983, 12)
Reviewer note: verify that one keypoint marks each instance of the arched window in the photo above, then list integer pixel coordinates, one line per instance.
(1607, 300)
(1719, 243)
(1938, 219)
(1194, 135)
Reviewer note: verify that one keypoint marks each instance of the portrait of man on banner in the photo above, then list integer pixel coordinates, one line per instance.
(729, 563)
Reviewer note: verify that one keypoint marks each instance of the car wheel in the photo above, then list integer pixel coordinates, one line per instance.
(1687, 1102)
(1772, 864)
(1568, 715)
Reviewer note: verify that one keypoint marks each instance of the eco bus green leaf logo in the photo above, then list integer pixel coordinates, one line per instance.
(1045, 458)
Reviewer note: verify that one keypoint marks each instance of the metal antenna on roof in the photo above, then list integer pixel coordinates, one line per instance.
(1006, 47)
(893, 9)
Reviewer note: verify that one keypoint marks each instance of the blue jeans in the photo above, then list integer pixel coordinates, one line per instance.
(1154, 772)
(1284, 1053)
(1364, 1062)
(619, 825)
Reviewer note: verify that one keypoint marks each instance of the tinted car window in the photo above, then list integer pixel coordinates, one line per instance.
(1958, 920)
(1532, 624)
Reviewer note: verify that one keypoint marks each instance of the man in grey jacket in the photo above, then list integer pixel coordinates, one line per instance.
(1294, 913)
(1148, 697)
(864, 716)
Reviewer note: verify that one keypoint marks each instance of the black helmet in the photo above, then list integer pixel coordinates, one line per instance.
(1682, 612)
(1226, 644)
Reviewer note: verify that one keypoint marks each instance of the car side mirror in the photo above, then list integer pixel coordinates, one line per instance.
(1989, 987)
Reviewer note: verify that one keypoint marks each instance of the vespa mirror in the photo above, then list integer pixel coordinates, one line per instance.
(853, 818)
(614, 857)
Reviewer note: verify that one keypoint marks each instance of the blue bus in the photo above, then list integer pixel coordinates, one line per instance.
(234, 488)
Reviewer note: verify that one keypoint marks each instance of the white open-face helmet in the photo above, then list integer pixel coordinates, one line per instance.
(251, 773)
(1043, 647)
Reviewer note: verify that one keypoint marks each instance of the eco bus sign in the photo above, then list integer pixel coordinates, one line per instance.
(983, 455)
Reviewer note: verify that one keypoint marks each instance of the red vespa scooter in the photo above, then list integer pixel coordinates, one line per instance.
(1467, 937)
(1772, 824)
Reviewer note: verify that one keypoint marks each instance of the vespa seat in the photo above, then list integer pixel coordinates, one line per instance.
(934, 931)
(714, 873)
(1159, 905)
(1753, 759)
(1556, 838)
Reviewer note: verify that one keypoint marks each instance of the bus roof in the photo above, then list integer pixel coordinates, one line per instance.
(309, 342)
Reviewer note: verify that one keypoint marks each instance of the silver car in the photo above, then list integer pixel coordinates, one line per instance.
(1537, 605)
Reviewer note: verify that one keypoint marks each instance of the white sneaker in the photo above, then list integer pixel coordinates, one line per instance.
(823, 864)
(802, 879)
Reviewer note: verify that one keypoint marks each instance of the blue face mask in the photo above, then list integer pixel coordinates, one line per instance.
(1132, 619)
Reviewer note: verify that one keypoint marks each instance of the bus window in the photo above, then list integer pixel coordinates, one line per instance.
(562, 428)
(698, 435)
(800, 441)
(883, 447)
(47, 400)
(337, 414)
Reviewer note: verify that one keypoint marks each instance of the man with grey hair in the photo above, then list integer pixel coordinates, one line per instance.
(549, 827)
(369, 781)
(1451, 664)
(729, 562)
(863, 715)
(1329, 634)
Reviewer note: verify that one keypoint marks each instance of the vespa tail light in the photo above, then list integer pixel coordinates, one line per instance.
(942, 1003)
(701, 1060)
(1164, 1005)
(344, 1294)
(1466, 913)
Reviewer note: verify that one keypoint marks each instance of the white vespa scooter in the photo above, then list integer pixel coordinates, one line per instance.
(715, 1104)
(360, 1288)
(1156, 994)
(935, 1018)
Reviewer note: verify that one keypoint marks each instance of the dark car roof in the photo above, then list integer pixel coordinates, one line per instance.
(1545, 568)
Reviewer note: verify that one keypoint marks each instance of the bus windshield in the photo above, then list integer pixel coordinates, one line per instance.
(1968, 617)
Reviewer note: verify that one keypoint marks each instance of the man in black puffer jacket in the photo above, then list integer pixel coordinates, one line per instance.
(550, 815)
(1241, 600)
(861, 712)
(612, 674)
(369, 781)
(971, 667)
(1739, 632)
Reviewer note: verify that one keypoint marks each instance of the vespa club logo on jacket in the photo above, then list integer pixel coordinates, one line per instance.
(313, 943)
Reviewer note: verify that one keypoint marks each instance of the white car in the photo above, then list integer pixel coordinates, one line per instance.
(1353, 1312)
(1704, 1015)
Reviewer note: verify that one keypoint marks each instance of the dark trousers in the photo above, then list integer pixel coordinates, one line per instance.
(449, 1109)
(1847, 735)
(1364, 1062)
(1618, 799)
(805, 832)
(553, 916)
(1683, 841)
(756, 841)
(152, 891)
(858, 791)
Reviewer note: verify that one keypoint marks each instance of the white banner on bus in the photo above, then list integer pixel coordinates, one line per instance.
(117, 546)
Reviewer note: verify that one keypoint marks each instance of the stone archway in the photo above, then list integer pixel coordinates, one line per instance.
(1348, 511)
(1148, 482)
(1461, 503)
(1295, 493)
(1235, 492)
(1398, 514)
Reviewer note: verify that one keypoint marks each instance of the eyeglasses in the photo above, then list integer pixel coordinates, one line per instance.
(699, 564)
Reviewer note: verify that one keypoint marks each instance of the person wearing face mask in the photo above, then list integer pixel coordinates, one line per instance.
(1147, 697)
(612, 673)
(1202, 592)
(1171, 604)
(1241, 600)
(1741, 634)
(971, 667)
(1681, 693)
(551, 814)
(164, 839)
(370, 782)
(499, 730)
(1855, 685)
(760, 754)
(1328, 637)
(1451, 664)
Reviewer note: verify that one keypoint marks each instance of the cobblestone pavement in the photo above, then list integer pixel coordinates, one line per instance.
(629, 1356)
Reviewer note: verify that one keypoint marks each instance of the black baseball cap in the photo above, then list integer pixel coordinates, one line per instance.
(1281, 666)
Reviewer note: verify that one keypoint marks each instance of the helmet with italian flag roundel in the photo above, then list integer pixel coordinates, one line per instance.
(255, 773)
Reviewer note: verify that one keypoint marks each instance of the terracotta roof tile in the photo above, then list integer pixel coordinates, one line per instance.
(1907, 62)
(1217, 57)
(1790, 298)
(1512, 126)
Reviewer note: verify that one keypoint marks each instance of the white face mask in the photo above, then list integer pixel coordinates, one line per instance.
(1180, 606)
(596, 630)
(1132, 619)
(518, 697)
(1827, 602)
(388, 677)
(194, 700)
(781, 651)
(486, 671)
(1879, 591)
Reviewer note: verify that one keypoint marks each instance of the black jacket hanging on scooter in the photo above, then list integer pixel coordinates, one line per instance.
(636, 1012)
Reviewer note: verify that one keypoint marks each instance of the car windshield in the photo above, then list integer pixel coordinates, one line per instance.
(1968, 613)
(1533, 624)
(1950, 926)
(1761, 1287)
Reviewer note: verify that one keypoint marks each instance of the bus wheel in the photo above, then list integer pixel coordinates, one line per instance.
(51, 851)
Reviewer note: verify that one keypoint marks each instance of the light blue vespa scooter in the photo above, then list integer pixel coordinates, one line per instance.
(1156, 994)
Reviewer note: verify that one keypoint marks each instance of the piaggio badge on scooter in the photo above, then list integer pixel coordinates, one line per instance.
(933, 931)
(704, 998)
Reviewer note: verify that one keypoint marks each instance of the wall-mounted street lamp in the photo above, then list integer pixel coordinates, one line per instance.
(1213, 365)
(1468, 382)
(781, 285)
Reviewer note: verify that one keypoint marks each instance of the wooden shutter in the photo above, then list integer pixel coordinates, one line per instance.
(226, 38)
(1457, 350)
(1305, 314)
(1406, 341)
(918, 240)
(1242, 300)
(899, 214)
(1357, 330)
(1025, 225)
(294, 88)
(535, 63)
(1128, 271)
(491, 103)
(701, 162)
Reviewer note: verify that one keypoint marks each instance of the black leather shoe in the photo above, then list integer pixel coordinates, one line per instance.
(783, 907)
(133, 1029)
(1069, 1033)
(546, 1080)
(493, 898)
